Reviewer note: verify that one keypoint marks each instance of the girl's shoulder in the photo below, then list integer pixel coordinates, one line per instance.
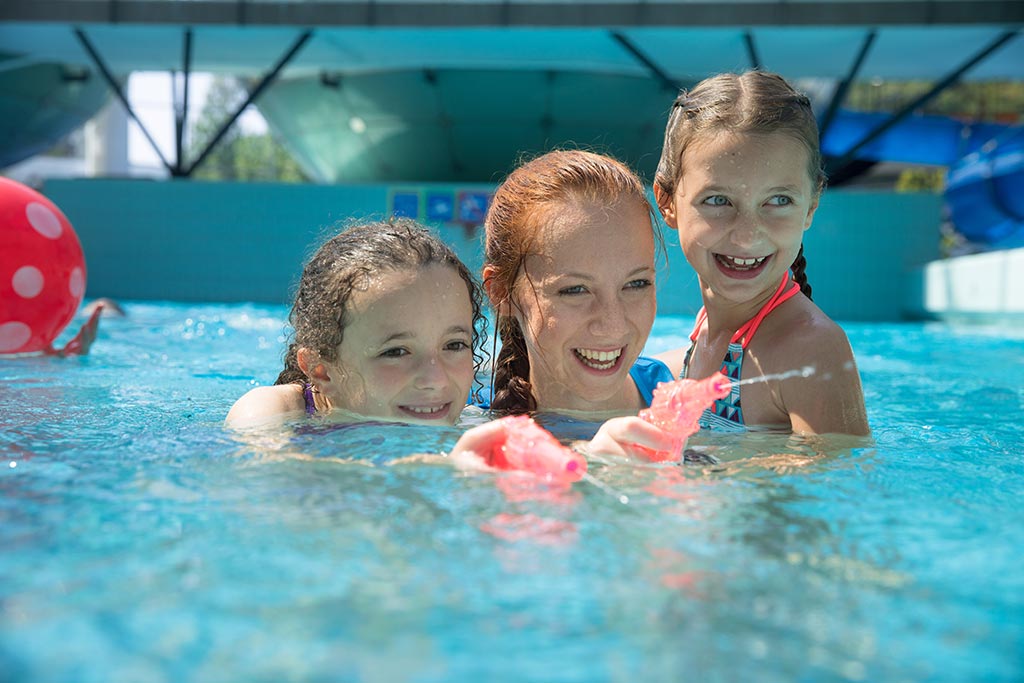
(800, 334)
(263, 402)
(800, 323)
(827, 396)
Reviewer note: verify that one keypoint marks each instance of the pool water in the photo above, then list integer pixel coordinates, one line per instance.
(141, 541)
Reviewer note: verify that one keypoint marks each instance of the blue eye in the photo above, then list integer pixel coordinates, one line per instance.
(639, 283)
(717, 200)
(780, 200)
(570, 291)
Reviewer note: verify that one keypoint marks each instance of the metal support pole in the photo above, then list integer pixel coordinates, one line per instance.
(116, 87)
(947, 81)
(267, 79)
(844, 85)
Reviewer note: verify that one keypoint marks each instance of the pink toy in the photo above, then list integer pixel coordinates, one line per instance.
(530, 448)
(676, 408)
(42, 274)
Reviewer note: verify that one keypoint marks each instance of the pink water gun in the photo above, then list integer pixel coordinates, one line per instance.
(676, 407)
(528, 447)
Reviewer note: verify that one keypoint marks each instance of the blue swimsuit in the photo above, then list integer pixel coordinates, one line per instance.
(647, 373)
(307, 396)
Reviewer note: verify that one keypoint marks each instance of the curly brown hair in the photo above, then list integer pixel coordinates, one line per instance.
(343, 263)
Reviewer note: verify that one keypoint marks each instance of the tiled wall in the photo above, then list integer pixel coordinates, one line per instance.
(196, 241)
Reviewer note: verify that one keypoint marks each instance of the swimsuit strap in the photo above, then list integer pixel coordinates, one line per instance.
(746, 333)
(702, 315)
(307, 395)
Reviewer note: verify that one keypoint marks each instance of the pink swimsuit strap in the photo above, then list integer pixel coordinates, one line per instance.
(745, 334)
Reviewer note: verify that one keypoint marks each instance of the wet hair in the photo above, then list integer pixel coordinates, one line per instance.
(755, 102)
(343, 264)
(521, 206)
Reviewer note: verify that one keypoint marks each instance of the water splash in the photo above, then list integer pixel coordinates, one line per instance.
(614, 493)
(805, 371)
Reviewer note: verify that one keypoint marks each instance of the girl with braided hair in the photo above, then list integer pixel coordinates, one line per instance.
(740, 177)
(569, 269)
(386, 321)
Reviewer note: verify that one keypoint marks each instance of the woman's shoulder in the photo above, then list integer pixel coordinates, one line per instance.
(647, 373)
(673, 360)
(649, 365)
(263, 402)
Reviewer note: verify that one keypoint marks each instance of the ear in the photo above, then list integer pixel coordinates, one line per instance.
(664, 201)
(310, 363)
(810, 212)
(497, 292)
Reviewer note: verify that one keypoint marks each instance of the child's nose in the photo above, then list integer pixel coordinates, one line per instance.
(430, 374)
(747, 229)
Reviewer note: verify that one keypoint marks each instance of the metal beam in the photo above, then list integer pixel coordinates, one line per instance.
(267, 79)
(941, 85)
(755, 59)
(181, 112)
(659, 74)
(844, 85)
(524, 13)
(119, 92)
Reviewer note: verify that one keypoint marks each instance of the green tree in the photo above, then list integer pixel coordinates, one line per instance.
(1001, 101)
(922, 179)
(237, 156)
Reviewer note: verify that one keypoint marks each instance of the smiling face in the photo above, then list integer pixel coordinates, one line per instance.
(585, 301)
(741, 206)
(407, 350)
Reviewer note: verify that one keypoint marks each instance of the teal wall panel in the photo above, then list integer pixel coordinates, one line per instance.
(196, 241)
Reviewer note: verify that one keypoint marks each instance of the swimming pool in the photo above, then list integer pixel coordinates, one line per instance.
(143, 542)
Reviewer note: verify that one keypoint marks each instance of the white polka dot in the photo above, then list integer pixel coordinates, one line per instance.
(27, 282)
(76, 283)
(43, 220)
(13, 336)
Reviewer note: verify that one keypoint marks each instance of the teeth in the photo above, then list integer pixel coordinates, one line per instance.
(600, 356)
(742, 262)
(424, 411)
(599, 360)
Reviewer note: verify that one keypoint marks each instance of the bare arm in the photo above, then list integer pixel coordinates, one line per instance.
(617, 436)
(829, 401)
(620, 435)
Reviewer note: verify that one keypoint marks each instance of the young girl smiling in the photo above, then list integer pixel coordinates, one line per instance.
(740, 179)
(570, 272)
(386, 321)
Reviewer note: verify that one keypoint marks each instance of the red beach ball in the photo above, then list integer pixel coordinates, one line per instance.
(42, 270)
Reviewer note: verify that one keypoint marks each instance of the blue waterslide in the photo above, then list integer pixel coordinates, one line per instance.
(985, 184)
(985, 192)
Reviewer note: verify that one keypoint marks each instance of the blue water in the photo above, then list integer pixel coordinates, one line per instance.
(140, 541)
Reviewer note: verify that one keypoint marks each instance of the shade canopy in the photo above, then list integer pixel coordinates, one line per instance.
(457, 90)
